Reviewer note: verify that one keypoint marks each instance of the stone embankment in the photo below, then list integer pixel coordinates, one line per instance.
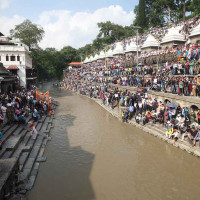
(20, 156)
(156, 130)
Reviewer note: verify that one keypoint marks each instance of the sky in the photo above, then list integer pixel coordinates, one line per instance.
(66, 22)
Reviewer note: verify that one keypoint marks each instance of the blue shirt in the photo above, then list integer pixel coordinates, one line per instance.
(1, 135)
(131, 108)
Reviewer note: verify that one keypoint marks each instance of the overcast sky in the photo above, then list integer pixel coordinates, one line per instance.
(66, 22)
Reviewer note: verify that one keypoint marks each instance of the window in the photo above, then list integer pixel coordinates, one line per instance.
(12, 58)
(7, 58)
(18, 58)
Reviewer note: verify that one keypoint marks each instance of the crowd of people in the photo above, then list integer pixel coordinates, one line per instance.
(173, 70)
(180, 122)
(16, 107)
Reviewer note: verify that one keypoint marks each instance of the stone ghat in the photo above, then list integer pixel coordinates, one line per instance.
(156, 130)
(20, 156)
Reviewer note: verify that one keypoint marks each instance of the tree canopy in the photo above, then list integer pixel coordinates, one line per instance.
(28, 33)
(152, 13)
(50, 63)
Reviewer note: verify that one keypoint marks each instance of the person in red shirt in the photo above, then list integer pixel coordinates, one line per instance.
(198, 116)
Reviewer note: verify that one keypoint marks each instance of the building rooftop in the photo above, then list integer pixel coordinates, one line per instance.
(173, 35)
(96, 57)
(102, 55)
(150, 42)
(109, 53)
(195, 31)
(132, 47)
(118, 49)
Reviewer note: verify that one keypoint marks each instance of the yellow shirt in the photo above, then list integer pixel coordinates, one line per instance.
(170, 131)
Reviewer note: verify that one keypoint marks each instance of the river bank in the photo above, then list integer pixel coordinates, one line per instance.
(155, 130)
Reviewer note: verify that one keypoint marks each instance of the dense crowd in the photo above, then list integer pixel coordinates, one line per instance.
(177, 72)
(16, 107)
(180, 123)
(172, 70)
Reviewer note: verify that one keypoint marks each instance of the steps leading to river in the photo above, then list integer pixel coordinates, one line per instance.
(17, 143)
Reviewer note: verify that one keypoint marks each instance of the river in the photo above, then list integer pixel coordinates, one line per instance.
(93, 155)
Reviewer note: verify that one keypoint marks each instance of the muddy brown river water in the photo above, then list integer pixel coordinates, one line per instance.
(93, 155)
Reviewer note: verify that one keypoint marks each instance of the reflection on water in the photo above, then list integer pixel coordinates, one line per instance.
(94, 156)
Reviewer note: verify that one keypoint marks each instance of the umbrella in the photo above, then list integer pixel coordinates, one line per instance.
(140, 64)
(172, 105)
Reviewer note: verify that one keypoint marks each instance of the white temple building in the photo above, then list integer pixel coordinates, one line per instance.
(96, 57)
(132, 48)
(119, 50)
(102, 55)
(16, 58)
(173, 38)
(109, 54)
(150, 44)
(195, 34)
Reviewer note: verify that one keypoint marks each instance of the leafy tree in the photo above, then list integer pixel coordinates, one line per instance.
(69, 54)
(141, 19)
(110, 32)
(28, 33)
(50, 62)
(195, 7)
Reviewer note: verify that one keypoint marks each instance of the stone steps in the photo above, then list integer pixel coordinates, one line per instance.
(33, 175)
(8, 133)
(30, 161)
(29, 118)
(39, 126)
(4, 129)
(7, 154)
(18, 143)
(12, 144)
(26, 139)
(23, 158)
(19, 130)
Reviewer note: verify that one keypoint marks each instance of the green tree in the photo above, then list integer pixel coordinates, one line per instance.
(70, 54)
(195, 7)
(28, 33)
(110, 32)
(141, 19)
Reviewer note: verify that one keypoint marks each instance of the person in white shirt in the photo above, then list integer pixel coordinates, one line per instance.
(3, 109)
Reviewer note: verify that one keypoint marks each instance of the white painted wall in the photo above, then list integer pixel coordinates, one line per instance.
(25, 59)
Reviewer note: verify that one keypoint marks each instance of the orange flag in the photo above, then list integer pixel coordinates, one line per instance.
(43, 96)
